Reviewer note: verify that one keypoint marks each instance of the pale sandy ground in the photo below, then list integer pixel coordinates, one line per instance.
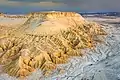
(11, 21)
(102, 64)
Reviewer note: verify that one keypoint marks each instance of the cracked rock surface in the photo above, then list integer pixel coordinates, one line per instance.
(102, 63)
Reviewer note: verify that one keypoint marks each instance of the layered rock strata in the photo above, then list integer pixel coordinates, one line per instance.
(45, 40)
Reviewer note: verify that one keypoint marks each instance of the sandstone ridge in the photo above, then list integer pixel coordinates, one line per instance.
(56, 14)
(50, 22)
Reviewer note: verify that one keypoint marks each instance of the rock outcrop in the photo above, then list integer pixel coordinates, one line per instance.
(50, 22)
(45, 40)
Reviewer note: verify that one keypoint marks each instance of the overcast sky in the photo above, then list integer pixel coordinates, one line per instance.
(26, 6)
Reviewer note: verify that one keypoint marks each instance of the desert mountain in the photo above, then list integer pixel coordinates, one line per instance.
(43, 40)
(38, 23)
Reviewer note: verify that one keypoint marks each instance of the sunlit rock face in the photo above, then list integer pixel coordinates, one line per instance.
(50, 22)
(44, 40)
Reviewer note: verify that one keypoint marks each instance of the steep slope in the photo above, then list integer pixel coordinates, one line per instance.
(53, 20)
(45, 40)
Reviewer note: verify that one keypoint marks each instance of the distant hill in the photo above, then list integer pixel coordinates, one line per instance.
(102, 13)
(1, 13)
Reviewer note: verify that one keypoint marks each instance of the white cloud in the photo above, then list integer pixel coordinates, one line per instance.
(71, 5)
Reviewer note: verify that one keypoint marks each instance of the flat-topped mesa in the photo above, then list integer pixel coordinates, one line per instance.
(15, 16)
(66, 35)
(42, 22)
(51, 22)
(56, 14)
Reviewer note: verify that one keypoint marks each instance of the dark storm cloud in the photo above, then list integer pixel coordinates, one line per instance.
(63, 5)
(108, 5)
(44, 0)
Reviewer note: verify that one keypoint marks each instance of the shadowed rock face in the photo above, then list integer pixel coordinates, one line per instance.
(45, 40)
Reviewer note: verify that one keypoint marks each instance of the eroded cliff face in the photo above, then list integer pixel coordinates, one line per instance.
(53, 15)
(45, 40)
(50, 22)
